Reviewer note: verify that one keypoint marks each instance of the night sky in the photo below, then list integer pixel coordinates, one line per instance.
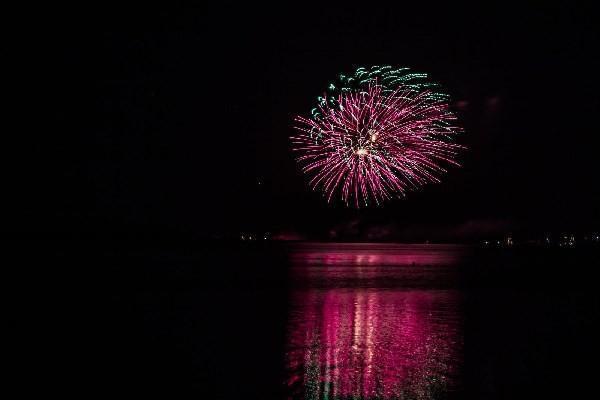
(177, 121)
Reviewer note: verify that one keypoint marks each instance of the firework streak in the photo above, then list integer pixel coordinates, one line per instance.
(375, 135)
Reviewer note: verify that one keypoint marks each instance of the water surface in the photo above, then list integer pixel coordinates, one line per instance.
(285, 321)
(373, 321)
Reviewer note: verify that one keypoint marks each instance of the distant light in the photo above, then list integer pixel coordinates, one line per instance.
(362, 152)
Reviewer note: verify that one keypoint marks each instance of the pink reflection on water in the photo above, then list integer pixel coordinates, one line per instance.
(376, 265)
(367, 343)
(362, 329)
(376, 254)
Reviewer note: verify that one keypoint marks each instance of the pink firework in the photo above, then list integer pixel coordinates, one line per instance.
(374, 143)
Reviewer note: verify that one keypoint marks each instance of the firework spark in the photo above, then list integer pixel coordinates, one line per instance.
(376, 135)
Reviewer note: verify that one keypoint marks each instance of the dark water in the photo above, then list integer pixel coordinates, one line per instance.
(336, 321)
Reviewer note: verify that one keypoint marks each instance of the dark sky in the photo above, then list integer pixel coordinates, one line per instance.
(166, 121)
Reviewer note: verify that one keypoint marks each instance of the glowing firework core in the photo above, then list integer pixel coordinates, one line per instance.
(390, 133)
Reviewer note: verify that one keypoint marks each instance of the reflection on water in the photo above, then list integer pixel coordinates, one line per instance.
(359, 338)
(375, 254)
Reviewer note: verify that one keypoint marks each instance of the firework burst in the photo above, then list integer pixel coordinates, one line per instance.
(375, 135)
